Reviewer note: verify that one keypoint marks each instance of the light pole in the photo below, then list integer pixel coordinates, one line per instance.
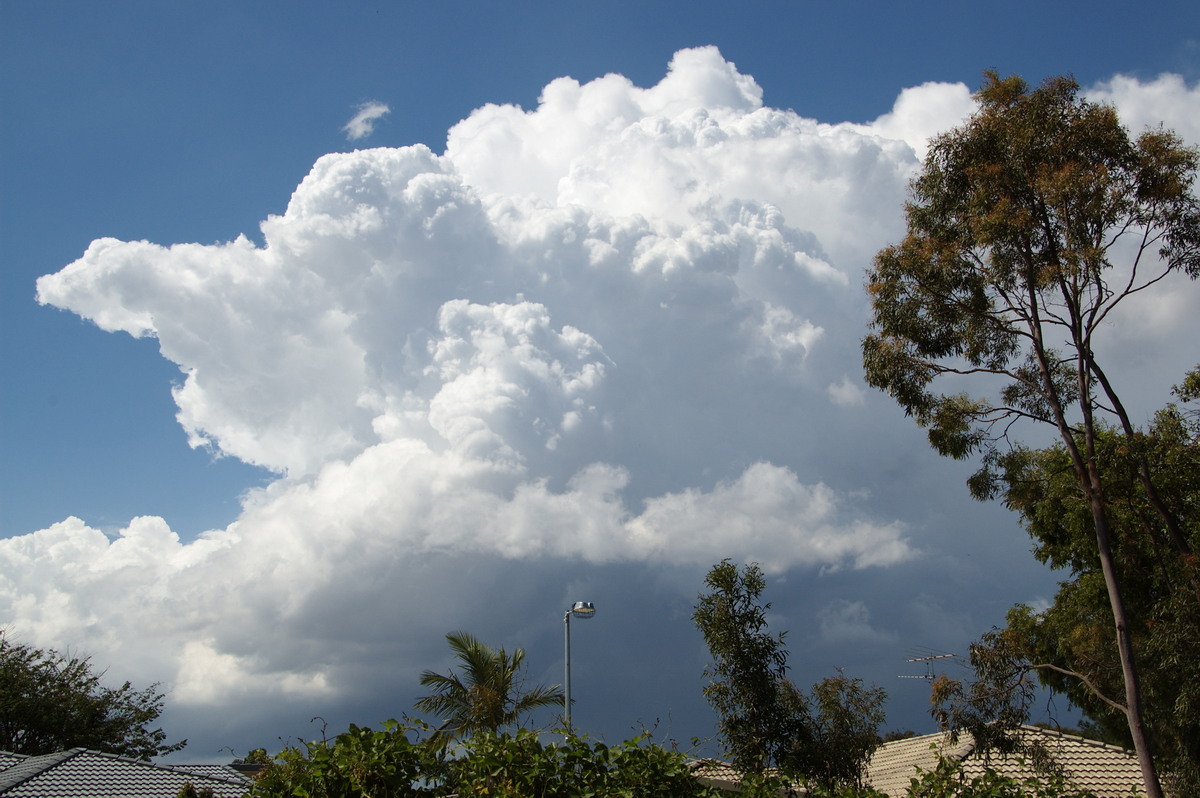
(582, 610)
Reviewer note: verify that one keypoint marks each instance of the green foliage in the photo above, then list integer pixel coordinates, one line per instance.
(522, 766)
(1027, 228)
(51, 702)
(258, 756)
(188, 790)
(1072, 638)
(360, 762)
(764, 719)
(749, 667)
(488, 696)
(842, 731)
(1006, 267)
(992, 706)
(395, 763)
(1189, 389)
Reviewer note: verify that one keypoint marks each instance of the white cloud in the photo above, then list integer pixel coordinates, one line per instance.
(922, 112)
(846, 392)
(845, 621)
(616, 329)
(1167, 101)
(363, 123)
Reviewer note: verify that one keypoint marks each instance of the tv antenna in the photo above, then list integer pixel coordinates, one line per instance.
(928, 660)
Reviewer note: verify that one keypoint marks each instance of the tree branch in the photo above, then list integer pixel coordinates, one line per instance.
(1095, 690)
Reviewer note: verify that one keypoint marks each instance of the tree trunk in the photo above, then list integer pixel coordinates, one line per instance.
(1133, 695)
(1088, 474)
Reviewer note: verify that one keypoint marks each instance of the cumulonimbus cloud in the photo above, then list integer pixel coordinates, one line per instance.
(551, 342)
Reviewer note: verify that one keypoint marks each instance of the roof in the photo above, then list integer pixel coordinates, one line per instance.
(1106, 770)
(80, 773)
(724, 776)
(716, 773)
(894, 763)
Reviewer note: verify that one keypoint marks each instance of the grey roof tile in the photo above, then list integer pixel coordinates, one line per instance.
(7, 759)
(80, 773)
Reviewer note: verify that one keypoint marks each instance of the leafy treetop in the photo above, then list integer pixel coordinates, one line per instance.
(51, 702)
(1027, 228)
(488, 695)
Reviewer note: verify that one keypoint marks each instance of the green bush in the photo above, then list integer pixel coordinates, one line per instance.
(397, 761)
(522, 765)
(359, 763)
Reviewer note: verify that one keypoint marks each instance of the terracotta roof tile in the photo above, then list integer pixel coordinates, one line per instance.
(1104, 769)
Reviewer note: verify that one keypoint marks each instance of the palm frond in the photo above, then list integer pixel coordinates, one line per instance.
(486, 694)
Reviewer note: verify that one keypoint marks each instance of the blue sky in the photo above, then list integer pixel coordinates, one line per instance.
(541, 393)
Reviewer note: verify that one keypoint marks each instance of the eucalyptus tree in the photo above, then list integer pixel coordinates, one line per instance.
(748, 674)
(1027, 228)
(824, 738)
(1066, 643)
(487, 695)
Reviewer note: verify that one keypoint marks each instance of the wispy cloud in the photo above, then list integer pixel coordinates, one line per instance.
(363, 123)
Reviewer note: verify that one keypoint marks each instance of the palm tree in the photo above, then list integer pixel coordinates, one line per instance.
(488, 695)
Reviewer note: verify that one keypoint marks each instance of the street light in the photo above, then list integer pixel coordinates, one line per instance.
(581, 610)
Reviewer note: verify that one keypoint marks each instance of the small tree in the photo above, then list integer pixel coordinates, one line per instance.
(748, 670)
(51, 702)
(843, 724)
(1027, 228)
(488, 696)
(764, 719)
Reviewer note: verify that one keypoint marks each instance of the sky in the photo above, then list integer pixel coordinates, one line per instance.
(331, 329)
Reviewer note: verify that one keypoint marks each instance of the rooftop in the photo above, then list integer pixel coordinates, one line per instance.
(80, 773)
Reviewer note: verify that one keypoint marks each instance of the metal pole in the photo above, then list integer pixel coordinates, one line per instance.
(567, 679)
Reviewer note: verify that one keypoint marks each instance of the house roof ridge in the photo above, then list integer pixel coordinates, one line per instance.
(215, 772)
(182, 769)
(31, 766)
(34, 767)
(960, 744)
(1078, 738)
